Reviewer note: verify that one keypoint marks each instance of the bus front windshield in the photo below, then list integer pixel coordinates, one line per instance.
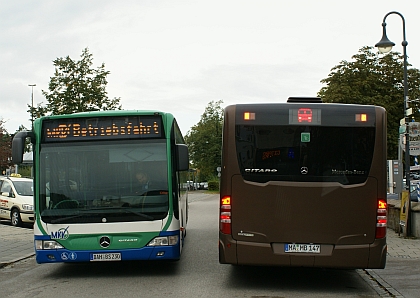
(114, 181)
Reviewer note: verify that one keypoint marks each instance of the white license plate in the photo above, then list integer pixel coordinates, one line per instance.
(304, 248)
(106, 257)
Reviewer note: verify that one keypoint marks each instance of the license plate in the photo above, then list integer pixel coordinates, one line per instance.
(304, 248)
(106, 257)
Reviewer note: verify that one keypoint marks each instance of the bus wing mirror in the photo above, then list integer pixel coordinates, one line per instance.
(183, 160)
(18, 145)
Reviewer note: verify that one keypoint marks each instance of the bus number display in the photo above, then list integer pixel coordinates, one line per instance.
(78, 129)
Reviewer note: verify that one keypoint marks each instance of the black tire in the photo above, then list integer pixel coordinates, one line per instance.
(15, 218)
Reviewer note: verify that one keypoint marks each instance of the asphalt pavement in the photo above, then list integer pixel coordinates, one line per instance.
(400, 278)
(15, 243)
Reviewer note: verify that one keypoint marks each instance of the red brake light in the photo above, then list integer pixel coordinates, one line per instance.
(381, 219)
(225, 215)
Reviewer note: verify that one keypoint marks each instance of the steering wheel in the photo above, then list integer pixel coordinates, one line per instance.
(67, 204)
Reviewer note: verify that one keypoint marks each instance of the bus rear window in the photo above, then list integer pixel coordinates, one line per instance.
(304, 153)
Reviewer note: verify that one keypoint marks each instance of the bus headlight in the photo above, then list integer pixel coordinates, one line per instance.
(163, 241)
(47, 244)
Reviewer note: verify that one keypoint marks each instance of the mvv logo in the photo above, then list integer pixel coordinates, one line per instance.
(62, 234)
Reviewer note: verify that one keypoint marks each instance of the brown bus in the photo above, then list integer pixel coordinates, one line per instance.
(303, 184)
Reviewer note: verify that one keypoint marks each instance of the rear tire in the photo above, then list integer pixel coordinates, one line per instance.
(15, 218)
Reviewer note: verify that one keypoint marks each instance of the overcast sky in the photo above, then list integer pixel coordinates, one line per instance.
(177, 56)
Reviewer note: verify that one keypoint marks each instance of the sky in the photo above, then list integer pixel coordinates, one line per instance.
(178, 56)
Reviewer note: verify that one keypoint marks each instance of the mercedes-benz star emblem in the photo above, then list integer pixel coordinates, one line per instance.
(304, 170)
(104, 241)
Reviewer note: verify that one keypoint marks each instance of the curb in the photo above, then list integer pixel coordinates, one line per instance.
(378, 284)
(4, 264)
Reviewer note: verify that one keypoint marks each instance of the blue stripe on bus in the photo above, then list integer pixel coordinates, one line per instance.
(171, 252)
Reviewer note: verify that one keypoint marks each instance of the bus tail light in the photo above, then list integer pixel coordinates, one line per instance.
(225, 215)
(381, 219)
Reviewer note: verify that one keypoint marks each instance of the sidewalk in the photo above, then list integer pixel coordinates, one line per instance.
(15, 243)
(400, 278)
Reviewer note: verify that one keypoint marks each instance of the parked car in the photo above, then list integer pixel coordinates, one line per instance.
(17, 200)
(413, 194)
(204, 185)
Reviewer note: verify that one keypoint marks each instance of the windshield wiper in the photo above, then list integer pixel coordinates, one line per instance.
(128, 210)
(121, 210)
(66, 218)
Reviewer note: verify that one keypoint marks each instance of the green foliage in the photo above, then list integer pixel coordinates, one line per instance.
(25, 171)
(5, 147)
(76, 87)
(204, 141)
(213, 185)
(374, 79)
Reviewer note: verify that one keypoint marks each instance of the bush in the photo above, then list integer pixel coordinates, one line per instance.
(25, 171)
(213, 185)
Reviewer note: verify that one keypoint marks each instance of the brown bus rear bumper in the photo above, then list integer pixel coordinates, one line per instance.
(364, 256)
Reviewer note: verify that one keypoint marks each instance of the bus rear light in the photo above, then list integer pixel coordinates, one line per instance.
(381, 219)
(225, 215)
(249, 116)
(361, 118)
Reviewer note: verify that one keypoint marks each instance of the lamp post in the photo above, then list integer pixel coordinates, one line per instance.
(384, 46)
(32, 104)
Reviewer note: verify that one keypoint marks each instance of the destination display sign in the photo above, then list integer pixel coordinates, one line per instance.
(101, 128)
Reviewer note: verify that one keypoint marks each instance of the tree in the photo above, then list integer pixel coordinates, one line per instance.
(204, 141)
(28, 145)
(76, 87)
(5, 147)
(374, 79)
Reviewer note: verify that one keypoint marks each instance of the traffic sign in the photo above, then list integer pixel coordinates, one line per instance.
(414, 129)
(402, 129)
(409, 111)
(414, 148)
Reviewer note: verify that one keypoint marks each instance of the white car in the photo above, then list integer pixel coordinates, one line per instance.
(17, 200)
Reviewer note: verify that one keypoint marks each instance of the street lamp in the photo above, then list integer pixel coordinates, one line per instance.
(384, 46)
(32, 105)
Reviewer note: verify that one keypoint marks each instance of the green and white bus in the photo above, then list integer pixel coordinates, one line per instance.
(88, 203)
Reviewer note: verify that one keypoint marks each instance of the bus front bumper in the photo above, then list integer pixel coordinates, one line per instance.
(145, 253)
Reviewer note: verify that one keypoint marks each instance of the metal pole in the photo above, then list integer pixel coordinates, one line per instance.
(32, 104)
(386, 44)
(407, 133)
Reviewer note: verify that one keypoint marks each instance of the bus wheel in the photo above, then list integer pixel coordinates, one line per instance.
(15, 218)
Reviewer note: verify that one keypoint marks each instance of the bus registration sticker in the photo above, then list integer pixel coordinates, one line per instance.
(305, 248)
(106, 257)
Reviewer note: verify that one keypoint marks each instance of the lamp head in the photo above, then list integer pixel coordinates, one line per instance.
(384, 45)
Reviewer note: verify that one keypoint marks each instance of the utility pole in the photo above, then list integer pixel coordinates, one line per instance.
(32, 104)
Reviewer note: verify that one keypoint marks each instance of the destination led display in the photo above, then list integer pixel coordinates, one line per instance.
(102, 128)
